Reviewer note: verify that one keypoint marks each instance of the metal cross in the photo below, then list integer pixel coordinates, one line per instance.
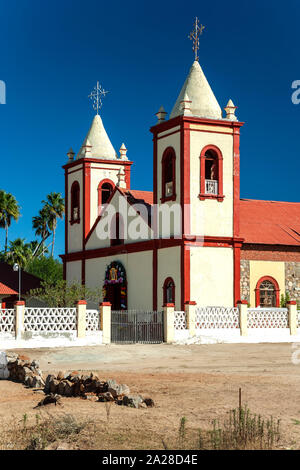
(96, 95)
(194, 36)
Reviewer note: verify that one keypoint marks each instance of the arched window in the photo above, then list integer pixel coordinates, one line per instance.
(267, 292)
(117, 230)
(75, 203)
(105, 189)
(211, 173)
(169, 291)
(168, 175)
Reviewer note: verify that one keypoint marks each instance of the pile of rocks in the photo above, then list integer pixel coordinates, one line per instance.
(22, 369)
(90, 387)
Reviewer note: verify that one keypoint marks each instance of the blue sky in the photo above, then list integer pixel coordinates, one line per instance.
(53, 53)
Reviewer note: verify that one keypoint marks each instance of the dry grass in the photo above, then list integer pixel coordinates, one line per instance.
(239, 430)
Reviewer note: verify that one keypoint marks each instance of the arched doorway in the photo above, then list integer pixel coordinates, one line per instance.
(115, 286)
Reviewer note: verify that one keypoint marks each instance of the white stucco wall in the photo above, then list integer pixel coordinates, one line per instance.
(99, 172)
(137, 227)
(138, 268)
(168, 265)
(162, 143)
(211, 217)
(73, 271)
(212, 276)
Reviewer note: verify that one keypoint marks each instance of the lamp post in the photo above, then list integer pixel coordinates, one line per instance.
(16, 267)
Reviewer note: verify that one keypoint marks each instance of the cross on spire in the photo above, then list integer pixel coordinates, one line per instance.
(96, 95)
(194, 36)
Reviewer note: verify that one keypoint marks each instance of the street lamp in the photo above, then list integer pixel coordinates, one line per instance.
(16, 267)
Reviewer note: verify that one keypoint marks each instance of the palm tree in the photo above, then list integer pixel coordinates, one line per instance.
(9, 210)
(40, 224)
(19, 252)
(54, 208)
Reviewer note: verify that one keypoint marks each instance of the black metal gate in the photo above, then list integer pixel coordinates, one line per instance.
(131, 326)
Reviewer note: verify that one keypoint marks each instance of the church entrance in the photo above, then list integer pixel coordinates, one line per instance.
(115, 286)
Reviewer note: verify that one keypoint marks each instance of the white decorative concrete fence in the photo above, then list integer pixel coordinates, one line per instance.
(238, 324)
(29, 327)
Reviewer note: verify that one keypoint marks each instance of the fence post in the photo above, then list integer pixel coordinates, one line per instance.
(243, 310)
(105, 321)
(169, 328)
(190, 312)
(293, 320)
(19, 315)
(81, 318)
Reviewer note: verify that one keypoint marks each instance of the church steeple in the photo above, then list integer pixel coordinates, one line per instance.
(98, 140)
(203, 101)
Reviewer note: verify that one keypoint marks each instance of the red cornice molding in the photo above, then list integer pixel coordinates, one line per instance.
(97, 160)
(176, 121)
(148, 245)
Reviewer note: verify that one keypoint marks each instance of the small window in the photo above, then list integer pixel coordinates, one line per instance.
(117, 230)
(168, 175)
(267, 295)
(75, 202)
(169, 291)
(105, 190)
(211, 173)
(267, 292)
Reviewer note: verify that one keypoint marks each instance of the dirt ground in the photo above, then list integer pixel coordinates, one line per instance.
(199, 382)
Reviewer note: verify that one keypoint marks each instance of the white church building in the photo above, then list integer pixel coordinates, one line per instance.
(213, 254)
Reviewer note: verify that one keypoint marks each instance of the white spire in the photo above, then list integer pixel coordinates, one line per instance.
(230, 111)
(203, 100)
(123, 152)
(99, 142)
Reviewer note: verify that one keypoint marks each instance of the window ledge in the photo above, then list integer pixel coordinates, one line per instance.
(77, 221)
(218, 197)
(168, 198)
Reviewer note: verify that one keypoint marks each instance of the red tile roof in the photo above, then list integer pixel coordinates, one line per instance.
(9, 280)
(270, 222)
(146, 196)
(5, 290)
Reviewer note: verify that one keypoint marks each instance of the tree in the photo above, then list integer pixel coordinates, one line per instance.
(63, 295)
(40, 225)
(48, 269)
(9, 210)
(54, 208)
(19, 252)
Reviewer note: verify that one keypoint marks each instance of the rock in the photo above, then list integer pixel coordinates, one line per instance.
(132, 400)
(111, 383)
(101, 387)
(37, 382)
(119, 390)
(24, 358)
(60, 375)
(4, 372)
(28, 381)
(107, 396)
(149, 402)
(142, 405)
(35, 365)
(90, 396)
(49, 378)
(53, 385)
(51, 398)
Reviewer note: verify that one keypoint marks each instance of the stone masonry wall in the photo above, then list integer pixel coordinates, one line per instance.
(292, 280)
(245, 280)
